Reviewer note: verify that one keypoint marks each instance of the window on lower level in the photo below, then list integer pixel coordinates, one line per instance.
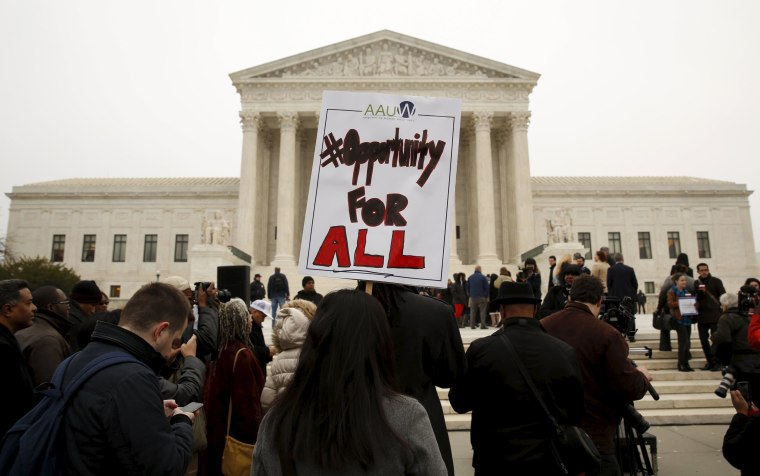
(649, 287)
(584, 238)
(115, 291)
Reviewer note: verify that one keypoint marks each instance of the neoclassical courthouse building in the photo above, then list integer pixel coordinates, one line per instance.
(122, 232)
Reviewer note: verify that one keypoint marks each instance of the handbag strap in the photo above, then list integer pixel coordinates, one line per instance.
(229, 409)
(521, 367)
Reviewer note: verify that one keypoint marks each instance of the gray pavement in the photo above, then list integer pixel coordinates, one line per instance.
(681, 451)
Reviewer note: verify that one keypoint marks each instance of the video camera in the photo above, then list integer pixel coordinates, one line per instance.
(222, 295)
(747, 298)
(617, 313)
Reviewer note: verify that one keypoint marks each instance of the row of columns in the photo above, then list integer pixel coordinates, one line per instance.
(514, 178)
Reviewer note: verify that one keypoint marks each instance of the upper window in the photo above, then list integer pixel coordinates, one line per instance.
(180, 247)
(119, 248)
(149, 250)
(88, 248)
(585, 239)
(703, 244)
(614, 243)
(645, 245)
(674, 244)
(59, 246)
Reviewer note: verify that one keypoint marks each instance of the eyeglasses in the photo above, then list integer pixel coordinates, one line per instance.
(65, 301)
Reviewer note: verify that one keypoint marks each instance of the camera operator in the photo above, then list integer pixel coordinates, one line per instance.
(558, 296)
(610, 380)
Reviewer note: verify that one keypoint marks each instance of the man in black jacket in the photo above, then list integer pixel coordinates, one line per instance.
(257, 288)
(118, 423)
(709, 290)
(510, 432)
(263, 352)
(622, 282)
(16, 313)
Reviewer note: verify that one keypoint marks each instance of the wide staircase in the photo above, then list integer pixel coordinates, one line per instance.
(686, 398)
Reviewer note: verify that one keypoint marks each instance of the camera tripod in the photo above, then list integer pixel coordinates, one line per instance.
(630, 447)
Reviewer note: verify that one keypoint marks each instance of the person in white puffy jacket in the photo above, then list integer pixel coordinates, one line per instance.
(289, 334)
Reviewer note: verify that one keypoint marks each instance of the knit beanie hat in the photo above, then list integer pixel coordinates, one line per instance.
(305, 280)
(86, 292)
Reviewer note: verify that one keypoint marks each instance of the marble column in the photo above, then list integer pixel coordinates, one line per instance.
(484, 174)
(522, 203)
(507, 219)
(246, 216)
(284, 254)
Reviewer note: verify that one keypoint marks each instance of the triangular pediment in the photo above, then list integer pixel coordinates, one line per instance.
(384, 54)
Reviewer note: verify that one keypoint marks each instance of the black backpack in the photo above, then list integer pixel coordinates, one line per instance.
(32, 445)
(278, 283)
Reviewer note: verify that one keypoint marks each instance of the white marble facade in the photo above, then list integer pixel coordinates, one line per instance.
(501, 212)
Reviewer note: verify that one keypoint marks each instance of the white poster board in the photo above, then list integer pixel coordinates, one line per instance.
(381, 197)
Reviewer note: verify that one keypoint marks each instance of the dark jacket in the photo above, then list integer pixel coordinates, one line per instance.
(281, 293)
(708, 300)
(428, 353)
(78, 318)
(740, 443)
(260, 348)
(555, 300)
(730, 339)
(311, 296)
(206, 333)
(116, 424)
(458, 296)
(17, 396)
(185, 384)
(610, 381)
(44, 344)
(244, 387)
(622, 282)
(257, 290)
(509, 429)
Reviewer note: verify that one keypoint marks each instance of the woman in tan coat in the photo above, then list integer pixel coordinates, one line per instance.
(600, 267)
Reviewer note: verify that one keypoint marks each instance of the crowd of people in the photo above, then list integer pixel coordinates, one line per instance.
(347, 383)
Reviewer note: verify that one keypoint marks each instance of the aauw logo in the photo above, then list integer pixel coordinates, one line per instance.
(405, 109)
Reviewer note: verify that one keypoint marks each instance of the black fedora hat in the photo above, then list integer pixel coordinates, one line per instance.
(515, 293)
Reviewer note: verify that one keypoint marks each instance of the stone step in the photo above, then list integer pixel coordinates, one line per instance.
(655, 417)
(683, 400)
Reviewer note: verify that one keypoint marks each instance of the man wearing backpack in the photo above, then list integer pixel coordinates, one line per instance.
(278, 291)
(118, 423)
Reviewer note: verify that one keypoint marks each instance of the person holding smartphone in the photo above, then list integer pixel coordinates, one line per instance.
(743, 435)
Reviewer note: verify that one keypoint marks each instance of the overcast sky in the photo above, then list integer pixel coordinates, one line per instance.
(141, 88)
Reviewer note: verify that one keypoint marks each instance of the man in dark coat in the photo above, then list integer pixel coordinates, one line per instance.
(257, 288)
(16, 313)
(308, 293)
(428, 351)
(709, 290)
(118, 423)
(510, 432)
(84, 301)
(264, 353)
(610, 380)
(622, 282)
(44, 343)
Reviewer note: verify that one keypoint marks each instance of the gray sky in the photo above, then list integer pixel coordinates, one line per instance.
(141, 88)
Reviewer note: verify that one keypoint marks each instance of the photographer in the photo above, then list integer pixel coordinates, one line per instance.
(558, 296)
(610, 380)
(533, 276)
(730, 339)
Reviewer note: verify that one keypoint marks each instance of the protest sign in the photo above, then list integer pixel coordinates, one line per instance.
(381, 197)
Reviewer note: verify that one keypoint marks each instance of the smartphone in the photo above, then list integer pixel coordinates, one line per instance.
(192, 407)
(743, 387)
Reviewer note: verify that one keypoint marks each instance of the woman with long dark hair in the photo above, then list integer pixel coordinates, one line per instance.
(340, 414)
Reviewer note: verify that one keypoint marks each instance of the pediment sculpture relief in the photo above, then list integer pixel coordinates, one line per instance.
(385, 58)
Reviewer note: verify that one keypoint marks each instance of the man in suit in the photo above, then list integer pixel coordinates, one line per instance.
(622, 282)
